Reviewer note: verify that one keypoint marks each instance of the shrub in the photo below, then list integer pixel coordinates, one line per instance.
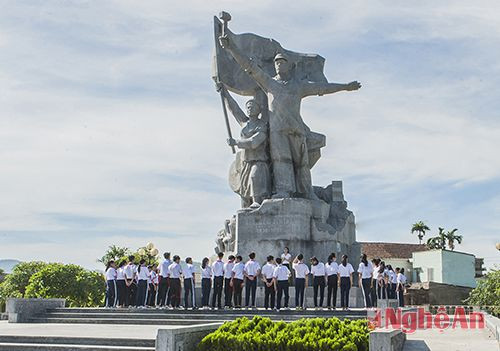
(487, 292)
(303, 335)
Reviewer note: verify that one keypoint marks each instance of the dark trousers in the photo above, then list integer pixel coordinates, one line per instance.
(319, 285)
(331, 299)
(121, 288)
(238, 290)
(250, 289)
(152, 295)
(218, 285)
(162, 291)
(205, 291)
(367, 291)
(401, 300)
(130, 297)
(111, 293)
(391, 291)
(142, 292)
(269, 295)
(189, 289)
(282, 290)
(175, 288)
(228, 292)
(373, 293)
(345, 286)
(300, 287)
(381, 290)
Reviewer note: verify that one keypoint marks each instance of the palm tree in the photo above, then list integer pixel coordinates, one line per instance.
(439, 241)
(114, 253)
(451, 238)
(420, 227)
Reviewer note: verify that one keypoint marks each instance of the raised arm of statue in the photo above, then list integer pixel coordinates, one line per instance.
(313, 88)
(253, 142)
(249, 65)
(233, 106)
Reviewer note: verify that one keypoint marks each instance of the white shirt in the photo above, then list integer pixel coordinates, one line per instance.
(218, 268)
(164, 268)
(345, 271)
(365, 271)
(189, 272)
(318, 270)
(332, 268)
(228, 270)
(143, 274)
(393, 278)
(375, 272)
(268, 270)
(401, 278)
(206, 273)
(111, 274)
(175, 270)
(281, 273)
(286, 258)
(238, 270)
(153, 277)
(120, 274)
(252, 268)
(130, 271)
(301, 270)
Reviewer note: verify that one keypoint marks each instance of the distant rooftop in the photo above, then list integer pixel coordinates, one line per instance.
(390, 250)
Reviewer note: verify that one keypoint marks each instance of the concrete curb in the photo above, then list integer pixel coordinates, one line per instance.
(184, 338)
(493, 324)
(22, 310)
(387, 340)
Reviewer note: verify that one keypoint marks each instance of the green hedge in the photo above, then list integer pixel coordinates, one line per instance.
(314, 334)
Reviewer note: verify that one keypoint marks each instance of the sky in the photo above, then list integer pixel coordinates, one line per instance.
(111, 131)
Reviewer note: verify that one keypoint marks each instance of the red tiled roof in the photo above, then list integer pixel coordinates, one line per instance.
(390, 250)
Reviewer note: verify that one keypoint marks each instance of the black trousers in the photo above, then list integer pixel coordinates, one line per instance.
(228, 292)
(269, 295)
(401, 300)
(142, 292)
(367, 291)
(121, 288)
(111, 293)
(319, 285)
(218, 285)
(205, 291)
(345, 286)
(175, 288)
(381, 290)
(162, 291)
(391, 291)
(282, 290)
(130, 297)
(250, 289)
(300, 287)
(189, 289)
(238, 291)
(373, 293)
(331, 299)
(152, 295)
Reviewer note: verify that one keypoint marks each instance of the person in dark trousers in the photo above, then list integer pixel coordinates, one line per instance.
(111, 291)
(267, 279)
(373, 286)
(175, 272)
(218, 278)
(228, 289)
(345, 281)
(121, 287)
(319, 281)
(237, 281)
(365, 271)
(332, 272)
(252, 272)
(400, 286)
(189, 284)
(381, 282)
(153, 285)
(130, 271)
(142, 285)
(163, 285)
(280, 275)
(206, 282)
(301, 274)
(391, 282)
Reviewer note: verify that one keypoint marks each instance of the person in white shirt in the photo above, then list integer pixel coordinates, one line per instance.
(286, 258)
(237, 281)
(188, 274)
(391, 282)
(163, 286)
(318, 272)
(142, 285)
(400, 286)
(281, 275)
(111, 292)
(252, 272)
(218, 277)
(121, 287)
(301, 272)
(175, 272)
(373, 286)
(153, 285)
(381, 281)
(130, 272)
(267, 278)
(206, 280)
(332, 272)
(228, 289)
(365, 271)
(345, 281)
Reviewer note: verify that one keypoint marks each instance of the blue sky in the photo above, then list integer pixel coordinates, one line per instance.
(111, 131)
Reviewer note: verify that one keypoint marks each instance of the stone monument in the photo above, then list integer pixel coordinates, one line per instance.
(276, 151)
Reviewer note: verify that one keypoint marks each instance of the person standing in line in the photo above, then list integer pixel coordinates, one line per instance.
(281, 275)
(391, 282)
(237, 281)
(130, 272)
(218, 277)
(301, 274)
(400, 286)
(175, 272)
(319, 281)
(111, 291)
(252, 271)
(120, 284)
(206, 280)
(332, 273)
(345, 282)
(381, 282)
(286, 257)
(163, 285)
(189, 284)
(267, 278)
(153, 277)
(142, 285)
(373, 285)
(228, 289)
(365, 271)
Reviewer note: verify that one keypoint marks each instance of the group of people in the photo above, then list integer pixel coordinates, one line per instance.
(223, 282)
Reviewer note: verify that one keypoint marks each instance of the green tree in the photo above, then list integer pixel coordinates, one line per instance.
(15, 283)
(451, 237)
(487, 292)
(439, 241)
(114, 253)
(420, 228)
